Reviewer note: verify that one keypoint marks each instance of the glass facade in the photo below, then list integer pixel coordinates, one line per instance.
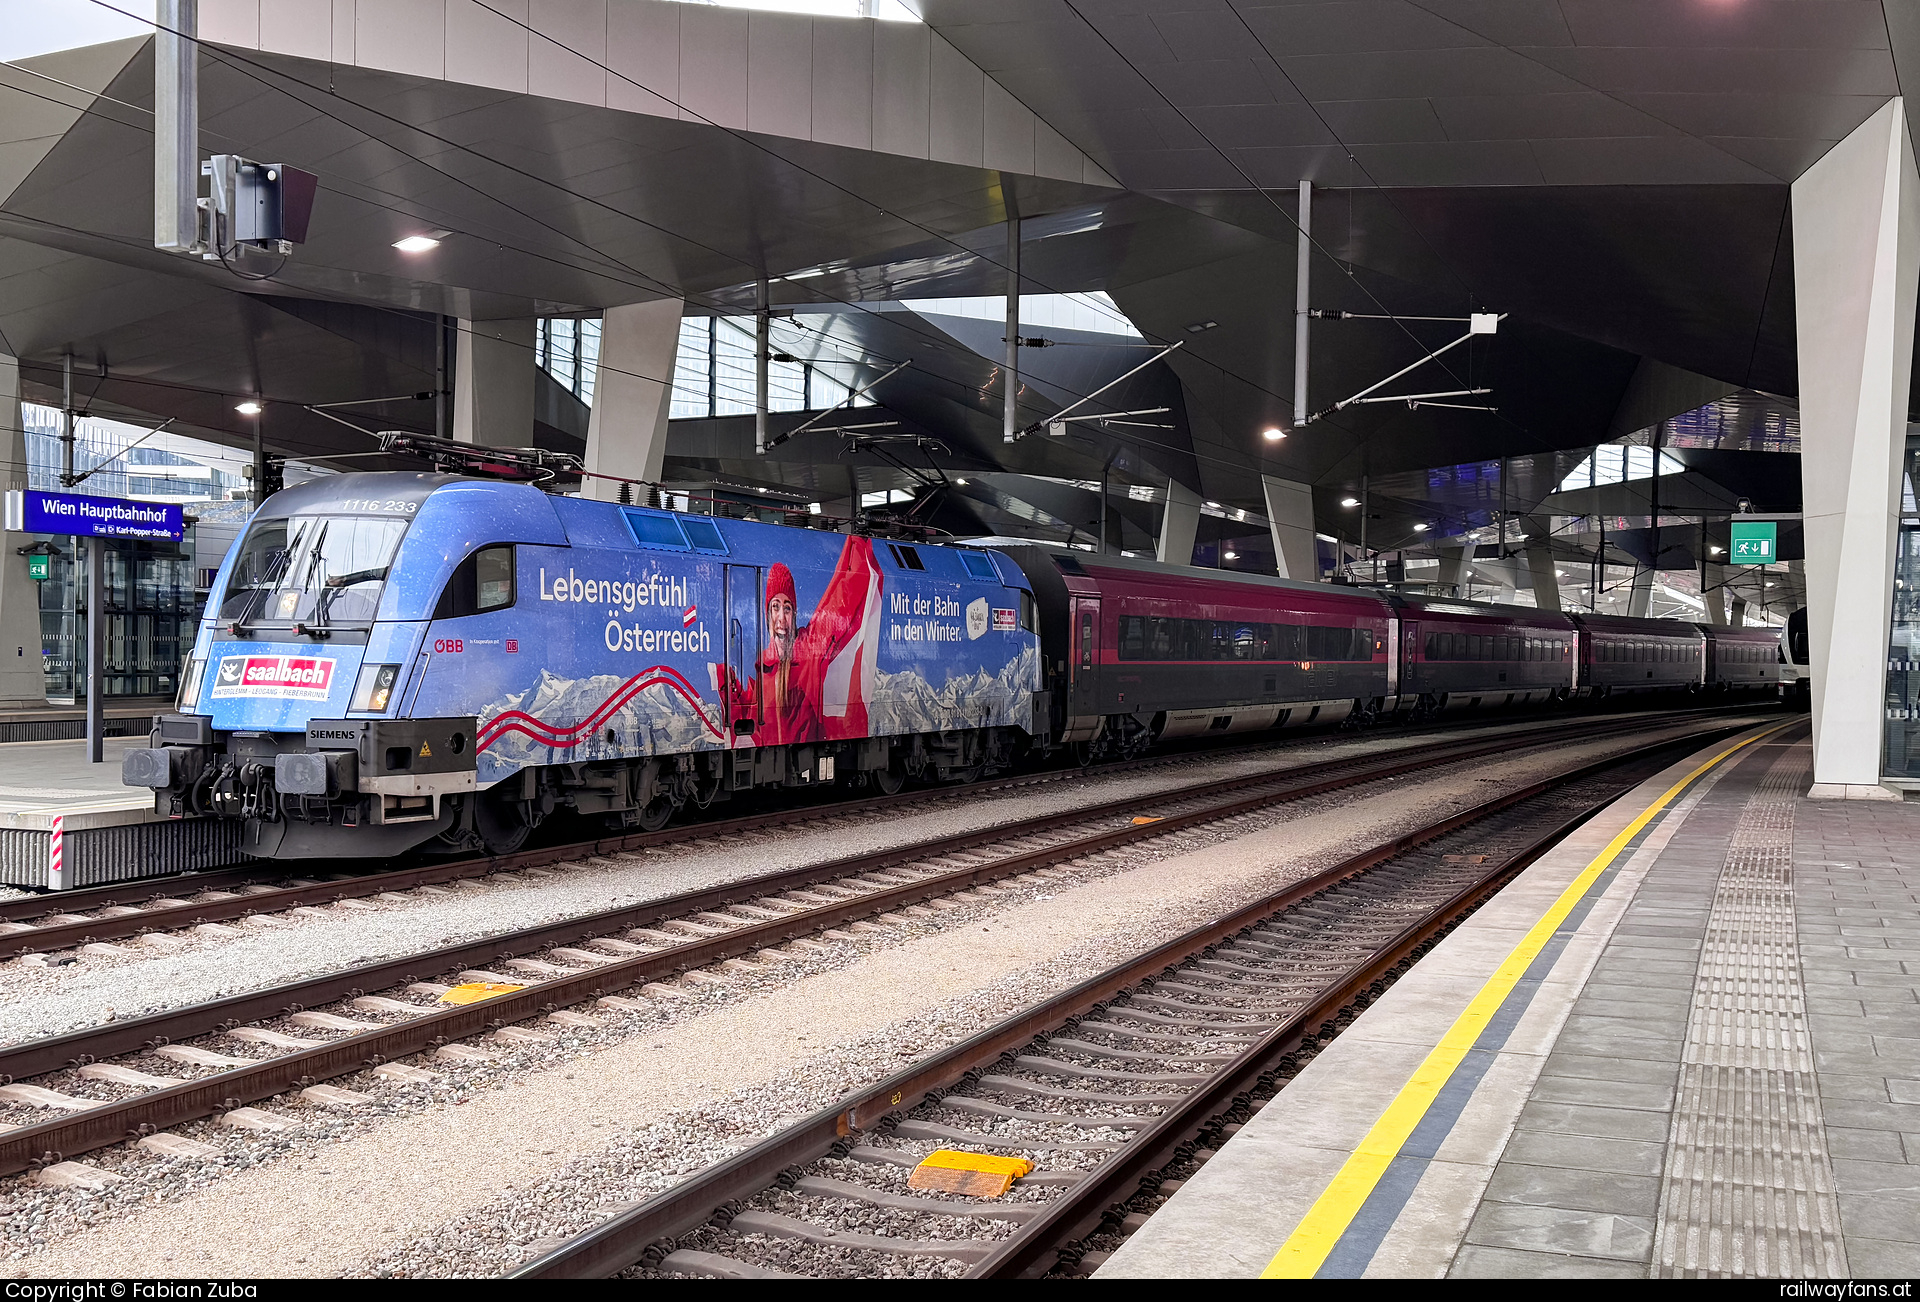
(713, 372)
(1901, 755)
(151, 600)
(151, 611)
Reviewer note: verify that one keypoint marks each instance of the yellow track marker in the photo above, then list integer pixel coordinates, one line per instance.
(982, 1175)
(1306, 1250)
(474, 991)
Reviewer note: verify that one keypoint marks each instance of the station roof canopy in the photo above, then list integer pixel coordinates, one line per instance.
(1612, 175)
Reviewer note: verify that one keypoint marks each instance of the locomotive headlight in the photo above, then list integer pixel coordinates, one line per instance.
(374, 688)
(190, 684)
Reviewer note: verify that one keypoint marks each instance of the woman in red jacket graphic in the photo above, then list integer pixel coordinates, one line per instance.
(815, 680)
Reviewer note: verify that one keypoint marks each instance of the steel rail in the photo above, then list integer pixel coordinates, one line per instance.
(625, 1240)
(141, 890)
(52, 937)
(114, 1122)
(144, 890)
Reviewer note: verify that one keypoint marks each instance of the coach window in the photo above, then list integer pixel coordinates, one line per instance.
(483, 582)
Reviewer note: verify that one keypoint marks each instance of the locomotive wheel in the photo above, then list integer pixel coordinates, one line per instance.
(502, 825)
(655, 816)
(889, 780)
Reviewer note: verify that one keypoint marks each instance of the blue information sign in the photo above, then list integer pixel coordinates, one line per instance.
(81, 516)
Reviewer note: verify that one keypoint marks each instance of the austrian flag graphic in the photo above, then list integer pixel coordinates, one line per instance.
(688, 615)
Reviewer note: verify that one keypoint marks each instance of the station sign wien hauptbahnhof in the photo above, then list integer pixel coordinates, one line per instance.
(82, 516)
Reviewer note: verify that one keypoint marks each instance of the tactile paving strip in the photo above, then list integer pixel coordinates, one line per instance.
(1748, 1188)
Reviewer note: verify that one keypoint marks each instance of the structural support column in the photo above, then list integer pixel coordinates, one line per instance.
(1640, 596)
(1290, 516)
(1856, 251)
(1010, 401)
(493, 383)
(1302, 302)
(1714, 593)
(22, 680)
(1453, 566)
(1540, 570)
(1179, 525)
(632, 392)
(176, 125)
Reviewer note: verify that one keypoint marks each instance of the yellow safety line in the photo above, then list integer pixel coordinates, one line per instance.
(1314, 1238)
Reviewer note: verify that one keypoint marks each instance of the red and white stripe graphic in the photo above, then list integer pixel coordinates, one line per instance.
(56, 851)
(551, 734)
(688, 615)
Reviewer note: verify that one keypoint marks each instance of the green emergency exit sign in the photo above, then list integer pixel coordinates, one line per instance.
(1756, 542)
(40, 567)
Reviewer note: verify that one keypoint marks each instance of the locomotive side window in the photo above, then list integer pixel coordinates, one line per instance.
(482, 582)
(979, 566)
(907, 558)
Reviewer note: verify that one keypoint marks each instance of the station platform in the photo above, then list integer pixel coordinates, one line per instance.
(66, 823)
(1686, 1042)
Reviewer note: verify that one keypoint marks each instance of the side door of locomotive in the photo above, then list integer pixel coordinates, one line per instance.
(1086, 655)
(742, 694)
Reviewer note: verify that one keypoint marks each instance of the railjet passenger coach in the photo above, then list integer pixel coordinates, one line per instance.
(395, 660)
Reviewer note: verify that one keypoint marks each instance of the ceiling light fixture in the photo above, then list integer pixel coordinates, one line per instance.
(1715, 551)
(959, 481)
(248, 408)
(1201, 327)
(1273, 433)
(1419, 528)
(1349, 501)
(420, 243)
(1213, 506)
(1234, 556)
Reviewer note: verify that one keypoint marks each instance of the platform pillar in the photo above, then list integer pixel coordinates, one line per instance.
(632, 395)
(493, 378)
(1714, 593)
(1453, 566)
(1179, 525)
(1540, 568)
(1640, 596)
(22, 681)
(1856, 251)
(1290, 516)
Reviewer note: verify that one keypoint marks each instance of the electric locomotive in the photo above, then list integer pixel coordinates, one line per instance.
(394, 659)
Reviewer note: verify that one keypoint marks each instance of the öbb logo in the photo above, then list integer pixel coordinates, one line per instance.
(449, 645)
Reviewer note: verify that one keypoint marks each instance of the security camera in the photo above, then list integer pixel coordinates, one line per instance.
(1746, 506)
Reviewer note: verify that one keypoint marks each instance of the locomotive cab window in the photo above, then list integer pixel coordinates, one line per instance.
(323, 571)
(483, 582)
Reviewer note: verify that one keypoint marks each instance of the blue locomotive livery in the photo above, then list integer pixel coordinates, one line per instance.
(396, 659)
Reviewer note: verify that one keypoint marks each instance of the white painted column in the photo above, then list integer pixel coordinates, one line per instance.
(22, 681)
(632, 392)
(1453, 566)
(1716, 593)
(1640, 596)
(1856, 253)
(493, 383)
(1179, 525)
(1290, 516)
(1540, 571)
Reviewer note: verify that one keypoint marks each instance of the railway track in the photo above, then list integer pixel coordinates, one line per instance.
(105, 915)
(136, 1076)
(1141, 1070)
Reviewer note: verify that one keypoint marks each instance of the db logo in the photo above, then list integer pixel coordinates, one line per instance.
(449, 644)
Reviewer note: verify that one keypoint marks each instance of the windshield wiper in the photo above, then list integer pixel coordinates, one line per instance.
(323, 626)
